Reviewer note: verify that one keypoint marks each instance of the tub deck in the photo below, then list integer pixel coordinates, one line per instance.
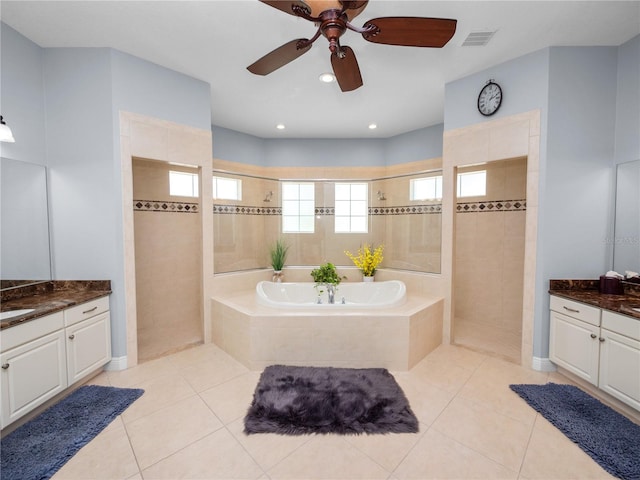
(395, 338)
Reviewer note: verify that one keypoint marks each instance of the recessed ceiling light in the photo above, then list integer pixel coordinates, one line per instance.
(372, 126)
(280, 126)
(327, 77)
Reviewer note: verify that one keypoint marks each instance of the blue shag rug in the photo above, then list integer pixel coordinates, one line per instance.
(608, 437)
(40, 447)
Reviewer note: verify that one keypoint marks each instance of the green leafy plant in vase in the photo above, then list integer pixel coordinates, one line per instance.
(278, 252)
(328, 276)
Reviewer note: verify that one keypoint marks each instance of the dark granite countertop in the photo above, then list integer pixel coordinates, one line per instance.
(586, 291)
(49, 297)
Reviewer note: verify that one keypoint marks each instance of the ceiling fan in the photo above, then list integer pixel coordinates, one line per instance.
(333, 19)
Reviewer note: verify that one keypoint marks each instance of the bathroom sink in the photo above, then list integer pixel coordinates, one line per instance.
(15, 313)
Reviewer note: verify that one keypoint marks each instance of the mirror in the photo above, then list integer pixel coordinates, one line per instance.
(24, 224)
(626, 246)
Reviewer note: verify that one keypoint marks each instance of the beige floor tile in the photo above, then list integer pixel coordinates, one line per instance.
(552, 455)
(107, 456)
(142, 372)
(267, 449)
(216, 456)
(205, 375)
(231, 400)
(462, 357)
(159, 393)
(446, 376)
(137, 476)
(436, 456)
(496, 436)
(198, 354)
(386, 450)
(426, 401)
(170, 429)
(327, 457)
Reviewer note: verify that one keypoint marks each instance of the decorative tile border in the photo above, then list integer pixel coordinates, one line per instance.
(407, 210)
(160, 206)
(492, 206)
(246, 210)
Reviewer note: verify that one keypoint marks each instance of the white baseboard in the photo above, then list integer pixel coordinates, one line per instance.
(117, 363)
(543, 364)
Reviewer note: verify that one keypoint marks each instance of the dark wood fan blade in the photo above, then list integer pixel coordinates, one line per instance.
(279, 57)
(345, 67)
(411, 31)
(353, 4)
(287, 5)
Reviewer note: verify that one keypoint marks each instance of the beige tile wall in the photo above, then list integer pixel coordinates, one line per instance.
(489, 259)
(241, 241)
(168, 259)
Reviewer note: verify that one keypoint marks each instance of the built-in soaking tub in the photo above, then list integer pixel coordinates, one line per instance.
(362, 295)
(361, 333)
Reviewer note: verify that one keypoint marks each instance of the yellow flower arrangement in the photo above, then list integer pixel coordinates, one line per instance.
(367, 260)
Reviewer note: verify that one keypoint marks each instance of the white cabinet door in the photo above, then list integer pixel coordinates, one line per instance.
(574, 345)
(620, 367)
(88, 346)
(31, 374)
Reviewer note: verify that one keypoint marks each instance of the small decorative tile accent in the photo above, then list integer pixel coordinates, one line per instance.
(492, 206)
(246, 210)
(406, 210)
(162, 206)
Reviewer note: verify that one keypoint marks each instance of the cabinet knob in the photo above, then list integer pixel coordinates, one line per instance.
(90, 310)
(72, 336)
(5, 366)
(593, 335)
(601, 339)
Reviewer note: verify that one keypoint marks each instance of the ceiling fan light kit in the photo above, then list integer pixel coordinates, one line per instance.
(333, 19)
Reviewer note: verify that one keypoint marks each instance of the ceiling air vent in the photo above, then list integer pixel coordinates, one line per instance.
(478, 39)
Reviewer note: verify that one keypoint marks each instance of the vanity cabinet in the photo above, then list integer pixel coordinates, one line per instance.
(44, 356)
(88, 338)
(598, 346)
(34, 366)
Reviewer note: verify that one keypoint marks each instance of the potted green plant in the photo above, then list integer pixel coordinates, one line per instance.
(328, 276)
(278, 252)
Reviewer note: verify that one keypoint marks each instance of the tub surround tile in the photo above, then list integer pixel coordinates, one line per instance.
(50, 297)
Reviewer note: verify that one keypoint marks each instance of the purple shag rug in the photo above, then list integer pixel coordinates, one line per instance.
(303, 400)
(607, 436)
(40, 447)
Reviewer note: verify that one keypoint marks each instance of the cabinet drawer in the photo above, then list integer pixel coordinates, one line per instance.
(627, 326)
(86, 310)
(578, 310)
(28, 331)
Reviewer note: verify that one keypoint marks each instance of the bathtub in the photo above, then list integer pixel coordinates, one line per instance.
(360, 295)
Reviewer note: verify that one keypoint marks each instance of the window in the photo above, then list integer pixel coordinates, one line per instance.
(428, 188)
(472, 184)
(351, 208)
(227, 188)
(183, 184)
(298, 207)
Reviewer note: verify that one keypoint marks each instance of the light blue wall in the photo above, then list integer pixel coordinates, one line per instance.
(524, 82)
(420, 144)
(409, 147)
(22, 97)
(237, 147)
(628, 102)
(578, 183)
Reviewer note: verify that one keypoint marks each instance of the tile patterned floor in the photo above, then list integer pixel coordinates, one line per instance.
(189, 423)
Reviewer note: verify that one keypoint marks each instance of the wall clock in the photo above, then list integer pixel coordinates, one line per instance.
(490, 98)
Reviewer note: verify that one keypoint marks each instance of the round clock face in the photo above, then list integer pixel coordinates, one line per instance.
(489, 99)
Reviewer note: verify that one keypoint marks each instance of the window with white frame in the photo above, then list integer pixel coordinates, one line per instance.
(472, 184)
(225, 188)
(351, 208)
(298, 207)
(183, 184)
(427, 188)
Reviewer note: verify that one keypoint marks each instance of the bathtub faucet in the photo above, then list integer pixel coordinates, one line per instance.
(331, 292)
